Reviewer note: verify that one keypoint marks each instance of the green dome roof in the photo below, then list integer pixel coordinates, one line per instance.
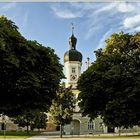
(72, 55)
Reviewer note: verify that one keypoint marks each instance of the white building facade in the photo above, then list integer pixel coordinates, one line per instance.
(72, 68)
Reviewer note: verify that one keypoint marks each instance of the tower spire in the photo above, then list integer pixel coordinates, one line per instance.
(72, 39)
(72, 28)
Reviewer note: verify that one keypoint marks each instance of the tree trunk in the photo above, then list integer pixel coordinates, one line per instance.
(27, 129)
(119, 132)
(61, 130)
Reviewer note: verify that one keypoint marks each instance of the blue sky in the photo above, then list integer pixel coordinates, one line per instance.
(50, 23)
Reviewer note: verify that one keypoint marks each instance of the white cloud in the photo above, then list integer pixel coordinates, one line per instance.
(106, 8)
(15, 13)
(122, 7)
(87, 6)
(66, 13)
(101, 17)
(24, 20)
(132, 21)
(8, 6)
(91, 31)
(125, 7)
(102, 40)
(137, 29)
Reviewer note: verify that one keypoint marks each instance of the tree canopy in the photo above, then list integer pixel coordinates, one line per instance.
(30, 73)
(110, 88)
(62, 107)
(32, 119)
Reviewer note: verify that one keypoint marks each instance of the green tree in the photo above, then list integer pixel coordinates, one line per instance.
(24, 120)
(40, 121)
(62, 107)
(110, 88)
(31, 119)
(29, 72)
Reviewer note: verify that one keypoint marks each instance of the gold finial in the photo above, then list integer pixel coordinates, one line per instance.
(72, 27)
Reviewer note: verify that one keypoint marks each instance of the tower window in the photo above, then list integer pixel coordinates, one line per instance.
(90, 125)
(73, 70)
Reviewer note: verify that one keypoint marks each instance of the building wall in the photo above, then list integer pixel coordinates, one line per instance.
(50, 124)
(68, 72)
(84, 125)
(9, 125)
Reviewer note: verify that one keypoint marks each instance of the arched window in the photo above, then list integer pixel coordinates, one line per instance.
(90, 125)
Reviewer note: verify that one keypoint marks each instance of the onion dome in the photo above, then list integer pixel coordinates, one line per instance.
(72, 54)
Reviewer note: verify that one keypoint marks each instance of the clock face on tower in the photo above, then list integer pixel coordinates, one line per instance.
(73, 77)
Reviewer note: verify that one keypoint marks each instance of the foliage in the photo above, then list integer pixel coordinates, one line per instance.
(111, 86)
(29, 72)
(33, 119)
(62, 106)
(40, 121)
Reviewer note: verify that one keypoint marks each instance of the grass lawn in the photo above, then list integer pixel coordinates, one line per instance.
(14, 134)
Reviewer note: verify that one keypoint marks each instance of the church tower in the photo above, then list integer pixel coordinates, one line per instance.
(72, 67)
(72, 62)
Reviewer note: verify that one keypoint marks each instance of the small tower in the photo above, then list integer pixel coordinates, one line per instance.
(72, 62)
(88, 64)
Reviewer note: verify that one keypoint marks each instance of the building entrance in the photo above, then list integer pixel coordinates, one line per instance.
(75, 127)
